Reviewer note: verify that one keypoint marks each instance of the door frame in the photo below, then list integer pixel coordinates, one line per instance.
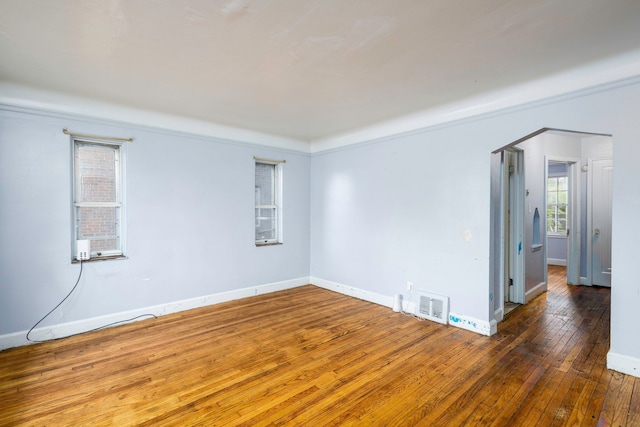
(512, 224)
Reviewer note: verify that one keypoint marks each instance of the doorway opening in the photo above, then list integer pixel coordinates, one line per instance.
(550, 204)
(512, 208)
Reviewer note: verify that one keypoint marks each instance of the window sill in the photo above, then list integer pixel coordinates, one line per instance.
(102, 258)
(268, 244)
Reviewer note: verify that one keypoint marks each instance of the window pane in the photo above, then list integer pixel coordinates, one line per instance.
(552, 212)
(562, 183)
(562, 197)
(562, 226)
(557, 198)
(100, 225)
(265, 180)
(95, 173)
(265, 224)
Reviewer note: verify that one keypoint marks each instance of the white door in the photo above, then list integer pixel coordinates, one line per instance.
(601, 181)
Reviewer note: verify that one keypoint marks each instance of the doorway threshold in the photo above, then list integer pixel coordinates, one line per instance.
(510, 307)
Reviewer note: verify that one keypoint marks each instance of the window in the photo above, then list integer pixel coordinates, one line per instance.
(98, 197)
(268, 196)
(557, 194)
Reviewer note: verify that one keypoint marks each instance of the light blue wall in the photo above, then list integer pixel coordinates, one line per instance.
(410, 208)
(535, 264)
(557, 169)
(557, 248)
(190, 218)
(398, 209)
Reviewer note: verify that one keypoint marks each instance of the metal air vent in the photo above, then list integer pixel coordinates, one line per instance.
(433, 307)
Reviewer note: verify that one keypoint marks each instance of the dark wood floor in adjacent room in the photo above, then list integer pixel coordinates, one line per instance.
(308, 356)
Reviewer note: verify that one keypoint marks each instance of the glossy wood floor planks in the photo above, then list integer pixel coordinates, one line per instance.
(308, 356)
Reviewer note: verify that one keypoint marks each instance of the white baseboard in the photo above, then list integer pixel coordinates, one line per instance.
(539, 289)
(474, 325)
(17, 339)
(373, 297)
(557, 261)
(70, 328)
(464, 322)
(493, 327)
(625, 364)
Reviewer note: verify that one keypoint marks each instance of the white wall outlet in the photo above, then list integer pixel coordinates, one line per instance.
(83, 250)
(410, 286)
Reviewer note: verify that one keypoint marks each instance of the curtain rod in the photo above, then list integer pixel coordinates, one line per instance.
(106, 138)
(260, 159)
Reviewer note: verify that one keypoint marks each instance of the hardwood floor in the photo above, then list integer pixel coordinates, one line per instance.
(308, 356)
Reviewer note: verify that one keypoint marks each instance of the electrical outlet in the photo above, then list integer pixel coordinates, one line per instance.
(410, 286)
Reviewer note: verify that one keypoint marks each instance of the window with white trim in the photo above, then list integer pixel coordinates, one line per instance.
(557, 207)
(268, 192)
(98, 201)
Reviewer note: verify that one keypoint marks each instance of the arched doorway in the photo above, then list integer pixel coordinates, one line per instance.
(526, 216)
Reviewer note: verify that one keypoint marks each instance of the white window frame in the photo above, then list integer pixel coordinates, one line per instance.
(277, 206)
(119, 203)
(557, 234)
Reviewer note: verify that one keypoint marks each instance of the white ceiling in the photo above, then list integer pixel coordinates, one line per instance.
(302, 69)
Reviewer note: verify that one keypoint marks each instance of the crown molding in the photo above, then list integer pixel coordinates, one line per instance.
(602, 75)
(606, 74)
(82, 108)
